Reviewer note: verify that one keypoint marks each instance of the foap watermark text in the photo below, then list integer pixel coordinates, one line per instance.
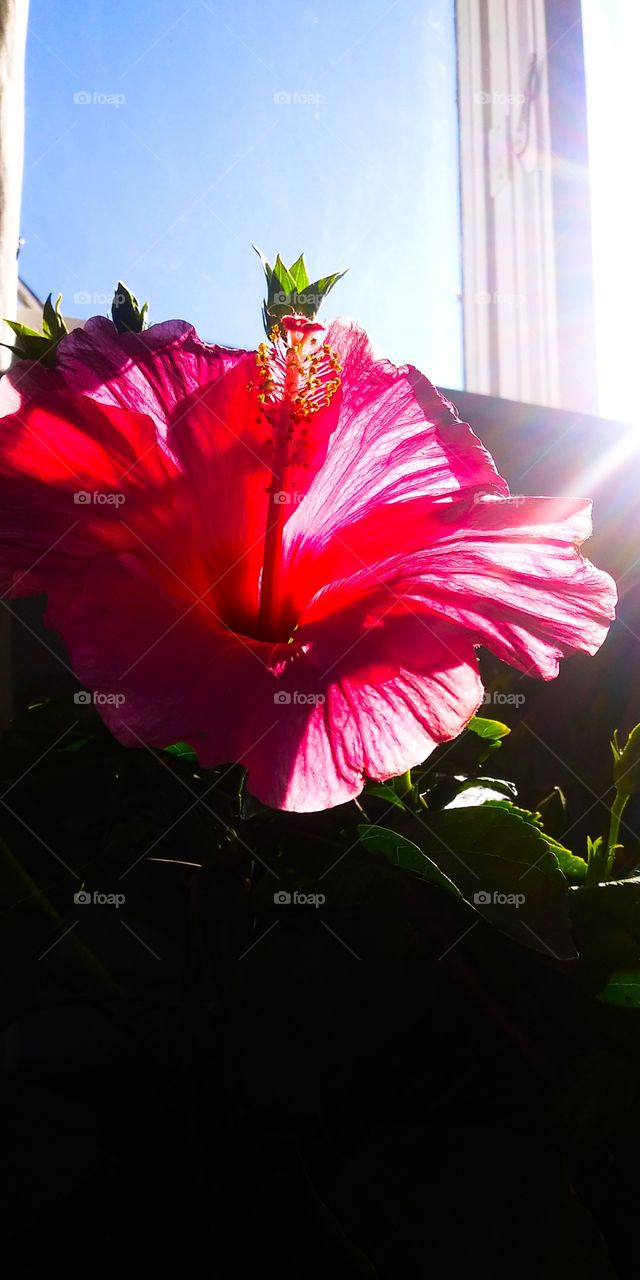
(282, 498)
(85, 98)
(488, 898)
(83, 498)
(285, 699)
(515, 499)
(94, 898)
(498, 298)
(85, 698)
(497, 98)
(296, 99)
(83, 298)
(282, 898)
(498, 699)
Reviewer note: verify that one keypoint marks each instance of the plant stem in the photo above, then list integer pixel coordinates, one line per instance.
(617, 810)
(403, 785)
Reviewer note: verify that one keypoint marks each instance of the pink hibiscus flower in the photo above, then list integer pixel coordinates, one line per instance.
(285, 558)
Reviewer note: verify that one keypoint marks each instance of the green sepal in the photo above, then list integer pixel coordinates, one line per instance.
(289, 291)
(127, 314)
(53, 324)
(299, 273)
(40, 346)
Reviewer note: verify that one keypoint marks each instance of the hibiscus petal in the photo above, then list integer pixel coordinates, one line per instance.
(150, 372)
(390, 695)
(224, 459)
(76, 478)
(197, 510)
(396, 563)
(513, 577)
(397, 438)
(396, 686)
(320, 757)
(124, 633)
(398, 456)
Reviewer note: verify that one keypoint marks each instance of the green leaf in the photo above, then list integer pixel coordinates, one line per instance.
(385, 792)
(505, 867)
(507, 840)
(571, 865)
(476, 791)
(606, 919)
(405, 854)
(623, 988)
(182, 750)
(494, 730)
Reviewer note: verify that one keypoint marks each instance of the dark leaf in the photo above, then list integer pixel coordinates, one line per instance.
(403, 853)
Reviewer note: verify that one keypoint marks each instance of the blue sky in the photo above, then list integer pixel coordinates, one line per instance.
(328, 128)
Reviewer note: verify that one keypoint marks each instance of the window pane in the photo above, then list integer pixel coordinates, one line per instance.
(611, 42)
(163, 139)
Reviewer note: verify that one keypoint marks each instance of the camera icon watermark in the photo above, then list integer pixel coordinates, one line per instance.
(83, 498)
(85, 698)
(85, 898)
(487, 898)
(284, 499)
(282, 898)
(283, 98)
(282, 698)
(83, 298)
(496, 98)
(83, 98)
(296, 297)
(515, 499)
(498, 298)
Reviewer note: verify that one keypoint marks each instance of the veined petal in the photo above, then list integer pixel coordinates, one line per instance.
(396, 439)
(124, 634)
(394, 565)
(77, 478)
(366, 728)
(196, 511)
(398, 457)
(309, 724)
(513, 577)
(150, 372)
(221, 452)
